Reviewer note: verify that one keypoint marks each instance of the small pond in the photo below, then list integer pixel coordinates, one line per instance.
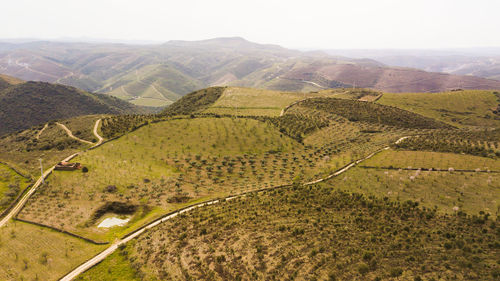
(114, 221)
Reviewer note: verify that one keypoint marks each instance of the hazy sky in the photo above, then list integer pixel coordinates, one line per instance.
(295, 24)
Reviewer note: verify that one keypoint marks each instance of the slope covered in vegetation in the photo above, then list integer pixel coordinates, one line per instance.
(195, 101)
(317, 233)
(459, 108)
(373, 113)
(33, 103)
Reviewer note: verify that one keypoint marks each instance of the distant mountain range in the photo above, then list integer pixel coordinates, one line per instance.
(26, 104)
(480, 62)
(157, 75)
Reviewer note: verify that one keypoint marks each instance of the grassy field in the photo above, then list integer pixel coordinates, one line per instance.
(435, 160)
(11, 185)
(313, 233)
(459, 108)
(116, 267)
(166, 165)
(29, 252)
(449, 191)
(246, 101)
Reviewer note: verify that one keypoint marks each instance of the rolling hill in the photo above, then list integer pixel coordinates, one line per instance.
(32, 103)
(233, 183)
(157, 75)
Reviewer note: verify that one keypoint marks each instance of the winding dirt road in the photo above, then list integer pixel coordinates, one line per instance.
(101, 256)
(96, 127)
(70, 134)
(35, 186)
(41, 131)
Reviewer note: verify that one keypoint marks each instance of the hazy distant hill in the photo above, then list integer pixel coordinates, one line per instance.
(157, 75)
(32, 103)
(480, 62)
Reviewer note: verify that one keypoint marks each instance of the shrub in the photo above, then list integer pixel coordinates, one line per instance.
(363, 268)
(395, 272)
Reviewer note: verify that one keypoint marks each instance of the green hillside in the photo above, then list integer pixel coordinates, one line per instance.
(459, 108)
(33, 103)
(329, 185)
(314, 233)
(152, 85)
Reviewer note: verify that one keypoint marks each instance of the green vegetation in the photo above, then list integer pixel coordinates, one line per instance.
(447, 190)
(432, 160)
(29, 252)
(373, 113)
(195, 101)
(152, 85)
(118, 125)
(393, 216)
(481, 143)
(166, 165)
(116, 267)
(23, 150)
(7, 81)
(257, 102)
(33, 103)
(83, 126)
(316, 232)
(11, 185)
(357, 94)
(459, 108)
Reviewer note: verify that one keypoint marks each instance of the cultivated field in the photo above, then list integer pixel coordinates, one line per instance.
(29, 252)
(246, 101)
(432, 160)
(313, 233)
(391, 217)
(459, 108)
(166, 165)
(11, 185)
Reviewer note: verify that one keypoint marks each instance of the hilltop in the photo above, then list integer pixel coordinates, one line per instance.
(7, 81)
(24, 105)
(158, 75)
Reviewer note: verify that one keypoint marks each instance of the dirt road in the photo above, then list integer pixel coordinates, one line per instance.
(35, 186)
(70, 134)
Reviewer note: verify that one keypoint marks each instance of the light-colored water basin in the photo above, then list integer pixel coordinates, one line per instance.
(114, 221)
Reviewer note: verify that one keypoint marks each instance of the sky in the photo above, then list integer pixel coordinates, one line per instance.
(328, 24)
